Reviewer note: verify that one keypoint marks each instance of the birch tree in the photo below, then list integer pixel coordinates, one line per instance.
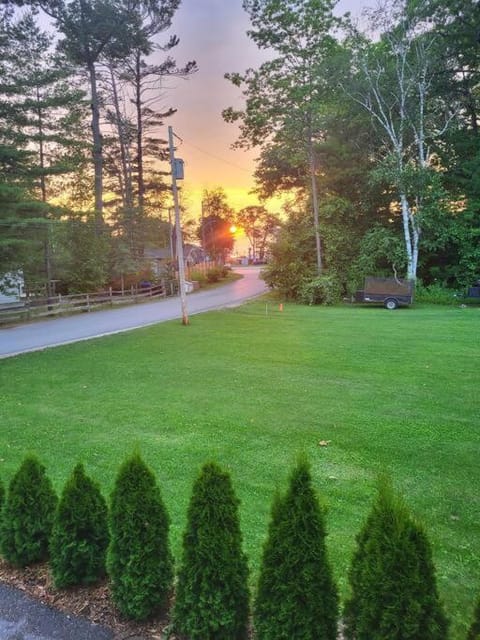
(394, 79)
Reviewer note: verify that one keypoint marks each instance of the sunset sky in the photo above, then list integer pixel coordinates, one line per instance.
(213, 32)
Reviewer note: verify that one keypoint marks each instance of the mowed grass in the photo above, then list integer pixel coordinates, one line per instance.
(251, 388)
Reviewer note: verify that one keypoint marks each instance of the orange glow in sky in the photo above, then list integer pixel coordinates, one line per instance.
(213, 32)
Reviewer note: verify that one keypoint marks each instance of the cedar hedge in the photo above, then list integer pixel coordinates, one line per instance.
(28, 514)
(393, 587)
(80, 536)
(139, 561)
(212, 591)
(474, 631)
(392, 579)
(296, 595)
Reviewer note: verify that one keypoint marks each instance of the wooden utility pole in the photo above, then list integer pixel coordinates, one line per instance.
(181, 265)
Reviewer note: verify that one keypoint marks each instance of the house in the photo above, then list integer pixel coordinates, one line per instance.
(158, 258)
(12, 287)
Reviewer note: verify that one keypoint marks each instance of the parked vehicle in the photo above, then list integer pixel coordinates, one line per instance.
(390, 292)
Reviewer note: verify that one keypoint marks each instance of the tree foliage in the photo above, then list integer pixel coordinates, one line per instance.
(297, 596)
(214, 229)
(80, 535)
(139, 560)
(392, 578)
(392, 118)
(212, 590)
(292, 256)
(57, 155)
(259, 226)
(28, 515)
(474, 631)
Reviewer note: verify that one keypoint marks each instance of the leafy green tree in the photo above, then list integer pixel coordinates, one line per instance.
(84, 266)
(292, 255)
(212, 591)
(284, 111)
(474, 631)
(297, 596)
(259, 226)
(28, 515)
(139, 560)
(217, 218)
(394, 85)
(80, 535)
(392, 578)
(451, 248)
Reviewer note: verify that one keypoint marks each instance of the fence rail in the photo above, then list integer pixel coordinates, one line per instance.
(38, 307)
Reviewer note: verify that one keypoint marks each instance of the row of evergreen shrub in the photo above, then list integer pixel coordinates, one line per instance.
(393, 593)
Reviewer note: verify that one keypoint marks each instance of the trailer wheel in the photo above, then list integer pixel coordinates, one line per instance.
(390, 304)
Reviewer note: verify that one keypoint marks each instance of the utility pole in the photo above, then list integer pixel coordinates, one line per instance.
(181, 265)
(313, 178)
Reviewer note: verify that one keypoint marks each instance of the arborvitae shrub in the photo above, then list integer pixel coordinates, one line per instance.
(212, 591)
(393, 587)
(139, 561)
(28, 515)
(296, 596)
(80, 533)
(474, 631)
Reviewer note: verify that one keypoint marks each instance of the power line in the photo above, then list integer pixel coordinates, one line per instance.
(215, 157)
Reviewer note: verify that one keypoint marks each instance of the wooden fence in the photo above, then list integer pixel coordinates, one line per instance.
(36, 307)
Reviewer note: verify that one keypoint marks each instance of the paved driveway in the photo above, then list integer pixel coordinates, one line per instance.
(56, 331)
(23, 618)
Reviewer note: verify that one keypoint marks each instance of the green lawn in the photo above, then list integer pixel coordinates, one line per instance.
(250, 388)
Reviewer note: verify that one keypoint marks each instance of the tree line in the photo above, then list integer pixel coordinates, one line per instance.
(81, 112)
(372, 124)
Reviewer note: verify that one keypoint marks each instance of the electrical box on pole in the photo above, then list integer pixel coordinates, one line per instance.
(181, 264)
(178, 168)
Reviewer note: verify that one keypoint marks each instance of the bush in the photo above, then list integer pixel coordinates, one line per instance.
(324, 289)
(436, 294)
(214, 274)
(198, 276)
(80, 533)
(139, 561)
(28, 515)
(393, 588)
(474, 631)
(296, 597)
(212, 593)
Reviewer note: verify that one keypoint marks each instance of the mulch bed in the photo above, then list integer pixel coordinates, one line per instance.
(92, 603)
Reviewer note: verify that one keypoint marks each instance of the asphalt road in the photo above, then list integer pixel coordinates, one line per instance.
(53, 332)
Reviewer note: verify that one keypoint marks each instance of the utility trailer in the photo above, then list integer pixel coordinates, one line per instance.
(390, 292)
